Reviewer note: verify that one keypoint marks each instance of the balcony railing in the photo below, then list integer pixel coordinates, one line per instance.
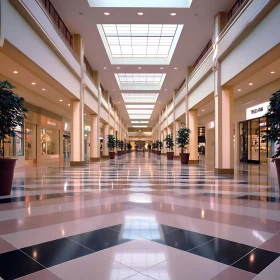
(208, 46)
(235, 8)
(57, 21)
(88, 67)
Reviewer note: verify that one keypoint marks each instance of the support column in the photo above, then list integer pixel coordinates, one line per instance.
(193, 126)
(105, 134)
(163, 137)
(224, 153)
(94, 138)
(176, 149)
(77, 132)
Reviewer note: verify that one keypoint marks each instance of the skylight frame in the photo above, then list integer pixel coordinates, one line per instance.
(139, 117)
(139, 112)
(141, 60)
(140, 97)
(139, 106)
(139, 122)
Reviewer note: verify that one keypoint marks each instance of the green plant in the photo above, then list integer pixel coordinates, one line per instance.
(159, 144)
(12, 113)
(121, 143)
(111, 142)
(183, 138)
(169, 142)
(128, 145)
(155, 145)
(273, 118)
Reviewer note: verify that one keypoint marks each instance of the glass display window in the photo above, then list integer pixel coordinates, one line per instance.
(49, 141)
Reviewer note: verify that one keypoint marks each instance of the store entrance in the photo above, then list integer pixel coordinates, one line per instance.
(254, 147)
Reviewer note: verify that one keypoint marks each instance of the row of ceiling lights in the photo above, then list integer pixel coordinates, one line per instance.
(161, 68)
(140, 14)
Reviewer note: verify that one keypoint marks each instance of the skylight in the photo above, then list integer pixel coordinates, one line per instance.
(140, 112)
(140, 44)
(143, 126)
(140, 117)
(140, 97)
(139, 122)
(139, 40)
(139, 106)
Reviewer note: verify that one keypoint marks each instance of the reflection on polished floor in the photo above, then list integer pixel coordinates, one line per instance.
(140, 217)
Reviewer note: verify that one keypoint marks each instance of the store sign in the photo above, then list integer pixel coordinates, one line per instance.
(257, 111)
(51, 123)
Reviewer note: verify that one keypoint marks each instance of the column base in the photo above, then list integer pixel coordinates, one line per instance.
(77, 163)
(94, 159)
(193, 161)
(224, 171)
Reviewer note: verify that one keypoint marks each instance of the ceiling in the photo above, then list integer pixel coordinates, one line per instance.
(198, 21)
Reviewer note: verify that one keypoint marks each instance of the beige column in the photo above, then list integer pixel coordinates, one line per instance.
(224, 102)
(105, 150)
(176, 149)
(77, 132)
(193, 146)
(94, 138)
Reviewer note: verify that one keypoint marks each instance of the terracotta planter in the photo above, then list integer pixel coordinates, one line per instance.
(7, 166)
(111, 155)
(158, 153)
(185, 158)
(170, 155)
(277, 163)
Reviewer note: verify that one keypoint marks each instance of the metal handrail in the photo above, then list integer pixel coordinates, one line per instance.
(88, 67)
(235, 8)
(205, 50)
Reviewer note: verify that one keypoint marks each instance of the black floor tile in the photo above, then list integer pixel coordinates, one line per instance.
(56, 252)
(16, 264)
(222, 251)
(260, 198)
(183, 239)
(256, 261)
(99, 239)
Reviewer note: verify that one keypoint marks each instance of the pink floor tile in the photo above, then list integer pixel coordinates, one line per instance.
(273, 244)
(232, 273)
(42, 275)
(6, 246)
(263, 225)
(15, 225)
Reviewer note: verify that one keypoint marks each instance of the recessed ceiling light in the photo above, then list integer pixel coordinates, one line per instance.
(250, 84)
(105, 68)
(161, 68)
(166, 89)
(106, 14)
(119, 102)
(272, 72)
(43, 89)
(81, 13)
(15, 72)
(175, 68)
(173, 14)
(68, 104)
(140, 14)
(239, 89)
(202, 110)
(118, 67)
(60, 100)
(85, 114)
(159, 102)
(33, 84)
(139, 67)
(114, 89)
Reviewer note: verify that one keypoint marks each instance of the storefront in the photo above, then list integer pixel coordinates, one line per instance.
(254, 147)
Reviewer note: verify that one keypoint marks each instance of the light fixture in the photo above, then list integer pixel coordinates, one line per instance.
(159, 102)
(106, 14)
(105, 68)
(173, 14)
(118, 67)
(272, 72)
(175, 68)
(60, 100)
(114, 89)
(119, 102)
(68, 104)
(85, 114)
(139, 67)
(15, 72)
(140, 14)
(165, 89)
(250, 84)
(33, 83)
(202, 110)
(239, 89)
(43, 89)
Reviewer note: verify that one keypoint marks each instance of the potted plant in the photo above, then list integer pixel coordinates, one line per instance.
(159, 146)
(273, 119)
(129, 147)
(111, 144)
(12, 115)
(121, 143)
(169, 144)
(183, 140)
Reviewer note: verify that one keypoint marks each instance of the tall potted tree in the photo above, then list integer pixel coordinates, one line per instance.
(183, 140)
(111, 144)
(169, 145)
(159, 147)
(273, 118)
(12, 115)
(121, 143)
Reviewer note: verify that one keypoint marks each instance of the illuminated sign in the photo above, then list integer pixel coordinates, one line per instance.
(257, 111)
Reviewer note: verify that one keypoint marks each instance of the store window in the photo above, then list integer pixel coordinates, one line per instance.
(50, 141)
(30, 141)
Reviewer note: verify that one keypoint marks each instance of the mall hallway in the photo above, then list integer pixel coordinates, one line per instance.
(139, 217)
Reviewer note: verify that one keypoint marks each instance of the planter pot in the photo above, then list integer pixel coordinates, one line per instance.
(158, 153)
(185, 158)
(277, 163)
(170, 155)
(7, 166)
(111, 155)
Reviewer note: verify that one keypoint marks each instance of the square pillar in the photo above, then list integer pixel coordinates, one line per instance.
(193, 126)
(105, 134)
(176, 149)
(94, 138)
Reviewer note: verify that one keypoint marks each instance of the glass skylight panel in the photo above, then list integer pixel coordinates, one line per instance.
(140, 106)
(139, 40)
(139, 122)
(143, 126)
(139, 117)
(140, 97)
(140, 78)
(141, 112)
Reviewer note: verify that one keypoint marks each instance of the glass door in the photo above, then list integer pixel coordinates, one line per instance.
(243, 128)
(254, 141)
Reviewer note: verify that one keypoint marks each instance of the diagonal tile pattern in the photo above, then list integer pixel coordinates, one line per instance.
(139, 217)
